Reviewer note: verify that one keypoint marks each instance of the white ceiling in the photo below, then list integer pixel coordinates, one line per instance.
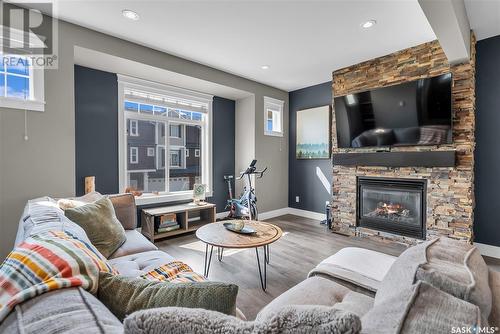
(484, 17)
(301, 41)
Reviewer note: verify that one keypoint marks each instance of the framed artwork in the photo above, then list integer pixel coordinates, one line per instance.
(313, 133)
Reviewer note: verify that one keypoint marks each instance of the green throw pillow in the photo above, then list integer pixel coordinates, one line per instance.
(99, 221)
(124, 295)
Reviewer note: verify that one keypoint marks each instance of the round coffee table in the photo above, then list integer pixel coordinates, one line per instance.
(216, 235)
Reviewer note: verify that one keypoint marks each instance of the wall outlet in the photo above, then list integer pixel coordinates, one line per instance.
(297, 199)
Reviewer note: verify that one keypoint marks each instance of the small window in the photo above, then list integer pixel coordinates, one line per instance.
(197, 153)
(134, 155)
(273, 117)
(187, 152)
(175, 158)
(21, 84)
(175, 130)
(134, 128)
(151, 151)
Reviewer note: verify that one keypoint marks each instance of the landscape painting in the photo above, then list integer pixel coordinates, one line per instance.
(313, 133)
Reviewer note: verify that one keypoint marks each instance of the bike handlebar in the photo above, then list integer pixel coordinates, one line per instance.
(259, 174)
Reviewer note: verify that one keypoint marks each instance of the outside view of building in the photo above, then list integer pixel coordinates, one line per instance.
(148, 165)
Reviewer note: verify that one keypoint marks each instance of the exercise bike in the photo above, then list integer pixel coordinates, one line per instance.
(246, 206)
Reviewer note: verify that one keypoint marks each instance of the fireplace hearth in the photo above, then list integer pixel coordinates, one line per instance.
(392, 205)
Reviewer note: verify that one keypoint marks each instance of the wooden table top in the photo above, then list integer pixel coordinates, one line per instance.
(216, 234)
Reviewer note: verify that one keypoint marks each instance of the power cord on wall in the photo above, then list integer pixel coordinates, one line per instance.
(26, 125)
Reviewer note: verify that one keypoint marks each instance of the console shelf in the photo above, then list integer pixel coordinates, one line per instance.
(190, 217)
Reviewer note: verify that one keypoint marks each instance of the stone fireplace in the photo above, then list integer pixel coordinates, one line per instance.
(392, 205)
(446, 202)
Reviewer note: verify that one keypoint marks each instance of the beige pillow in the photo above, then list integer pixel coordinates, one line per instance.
(74, 202)
(99, 221)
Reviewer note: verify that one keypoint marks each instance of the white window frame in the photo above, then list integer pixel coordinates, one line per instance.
(151, 152)
(186, 152)
(181, 165)
(136, 154)
(197, 153)
(126, 82)
(276, 106)
(36, 100)
(134, 133)
(180, 130)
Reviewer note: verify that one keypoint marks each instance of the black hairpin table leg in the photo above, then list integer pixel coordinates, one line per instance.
(267, 248)
(263, 280)
(220, 253)
(208, 259)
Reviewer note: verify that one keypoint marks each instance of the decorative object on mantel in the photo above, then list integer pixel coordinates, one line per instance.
(313, 133)
(89, 184)
(199, 191)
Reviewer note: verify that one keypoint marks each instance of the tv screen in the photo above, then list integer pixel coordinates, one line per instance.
(411, 113)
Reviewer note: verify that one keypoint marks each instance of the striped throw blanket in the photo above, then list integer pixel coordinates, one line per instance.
(46, 262)
(174, 272)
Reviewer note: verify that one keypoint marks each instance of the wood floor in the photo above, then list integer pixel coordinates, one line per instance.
(304, 244)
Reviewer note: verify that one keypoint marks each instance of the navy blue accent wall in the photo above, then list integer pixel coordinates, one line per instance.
(96, 122)
(303, 174)
(487, 154)
(223, 148)
(96, 131)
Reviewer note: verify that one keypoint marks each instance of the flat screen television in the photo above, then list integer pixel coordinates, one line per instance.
(408, 114)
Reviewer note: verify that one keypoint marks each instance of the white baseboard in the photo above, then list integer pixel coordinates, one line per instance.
(282, 212)
(292, 211)
(273, 213)
(221, 215)
(307, 214)
(488, 250)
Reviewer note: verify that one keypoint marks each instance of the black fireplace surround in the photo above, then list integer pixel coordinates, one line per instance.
(392, 205)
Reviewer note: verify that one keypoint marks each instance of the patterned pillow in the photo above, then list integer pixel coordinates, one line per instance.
(46, 262)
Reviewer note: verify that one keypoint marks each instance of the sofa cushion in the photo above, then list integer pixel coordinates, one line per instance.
(134, 243)
(71, 310)
(354, 266)
(355, 302)
(125, 210)
(420, 308)
(135, 265)
(99, 221)
(312, 291)
(290, 319)
(125, 295)
(452, 266)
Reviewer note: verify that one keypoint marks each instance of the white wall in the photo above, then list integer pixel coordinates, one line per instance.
(45, 165)
(245, 137)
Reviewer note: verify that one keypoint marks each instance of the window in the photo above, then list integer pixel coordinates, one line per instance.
(169, 118)
(175, 130)
(134, 128)
(175, 158)
(197, 153)
(273, 117)
(21, 84)
(134, 155)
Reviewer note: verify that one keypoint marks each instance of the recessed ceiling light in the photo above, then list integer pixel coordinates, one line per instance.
(130, 14)
(265, 67)
(368, 24)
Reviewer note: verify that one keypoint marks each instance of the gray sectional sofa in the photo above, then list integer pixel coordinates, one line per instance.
(76, 310)
(429, 288)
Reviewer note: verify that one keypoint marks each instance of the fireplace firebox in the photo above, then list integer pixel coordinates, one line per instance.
(392, 205)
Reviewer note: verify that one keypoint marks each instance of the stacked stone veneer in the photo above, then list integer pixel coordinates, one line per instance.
(450, 191)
